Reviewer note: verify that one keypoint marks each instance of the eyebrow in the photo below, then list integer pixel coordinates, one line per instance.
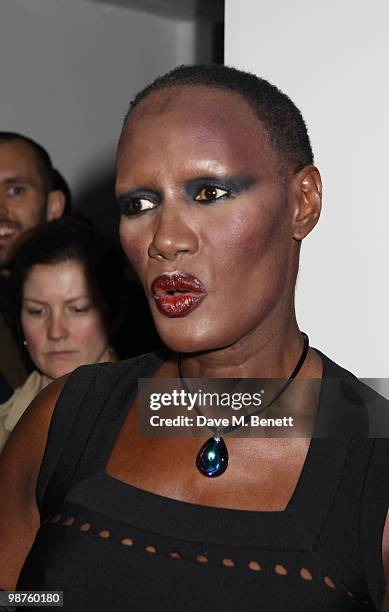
(80, 297)
(17, 179)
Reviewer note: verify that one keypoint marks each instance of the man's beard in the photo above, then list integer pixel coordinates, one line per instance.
(7, 250)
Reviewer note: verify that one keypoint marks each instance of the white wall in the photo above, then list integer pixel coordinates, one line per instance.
(331, 59)
(69, 68)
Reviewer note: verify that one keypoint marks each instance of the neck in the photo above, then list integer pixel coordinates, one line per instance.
(265, 353)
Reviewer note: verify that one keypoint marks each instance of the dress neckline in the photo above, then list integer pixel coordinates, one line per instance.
(297, 526)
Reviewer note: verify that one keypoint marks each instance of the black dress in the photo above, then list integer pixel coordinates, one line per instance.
(110, 546)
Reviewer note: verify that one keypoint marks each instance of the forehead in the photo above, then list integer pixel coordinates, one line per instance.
(68, 277)
(194, 123)
(18, 156)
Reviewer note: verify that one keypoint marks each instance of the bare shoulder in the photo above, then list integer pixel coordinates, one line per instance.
(30, 434)
(20, 463)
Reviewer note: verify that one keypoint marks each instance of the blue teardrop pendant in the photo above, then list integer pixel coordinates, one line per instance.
(212, 458)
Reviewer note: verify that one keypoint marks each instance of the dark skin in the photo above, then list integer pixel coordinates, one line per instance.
(252, 230)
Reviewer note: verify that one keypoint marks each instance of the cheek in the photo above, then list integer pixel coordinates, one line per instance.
(251, 242)
(30, 212)
(134, 244)
(88, 331)
(34, 332)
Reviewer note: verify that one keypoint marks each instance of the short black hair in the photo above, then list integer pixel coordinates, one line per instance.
(74, 239)
(43, 160)
(280, 117)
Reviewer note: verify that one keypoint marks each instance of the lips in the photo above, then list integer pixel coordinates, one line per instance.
(7, 231)
(176, 295)
(60, 354)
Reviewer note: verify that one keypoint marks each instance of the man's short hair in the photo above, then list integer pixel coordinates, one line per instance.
(280, 117)
(44, 164)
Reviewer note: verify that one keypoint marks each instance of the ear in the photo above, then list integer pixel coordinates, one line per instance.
(308, 189)
(55, 205)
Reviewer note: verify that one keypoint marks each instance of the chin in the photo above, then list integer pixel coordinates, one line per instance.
(61, 371)
(53, 374)
(189, 338)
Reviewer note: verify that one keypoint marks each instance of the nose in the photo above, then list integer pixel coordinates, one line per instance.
(173, 236)
(57, 328)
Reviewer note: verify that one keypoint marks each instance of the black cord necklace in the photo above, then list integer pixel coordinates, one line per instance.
(212, 458)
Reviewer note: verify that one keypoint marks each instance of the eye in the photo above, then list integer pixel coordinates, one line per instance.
(135, 206)
(211, 193)
(34, 312)
(17, 190)
(80, 310)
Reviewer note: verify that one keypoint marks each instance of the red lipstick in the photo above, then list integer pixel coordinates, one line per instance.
(176, 295)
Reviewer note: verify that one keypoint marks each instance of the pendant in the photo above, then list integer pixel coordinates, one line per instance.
(212, 458)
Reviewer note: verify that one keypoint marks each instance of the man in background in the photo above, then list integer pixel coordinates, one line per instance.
(30, 194)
